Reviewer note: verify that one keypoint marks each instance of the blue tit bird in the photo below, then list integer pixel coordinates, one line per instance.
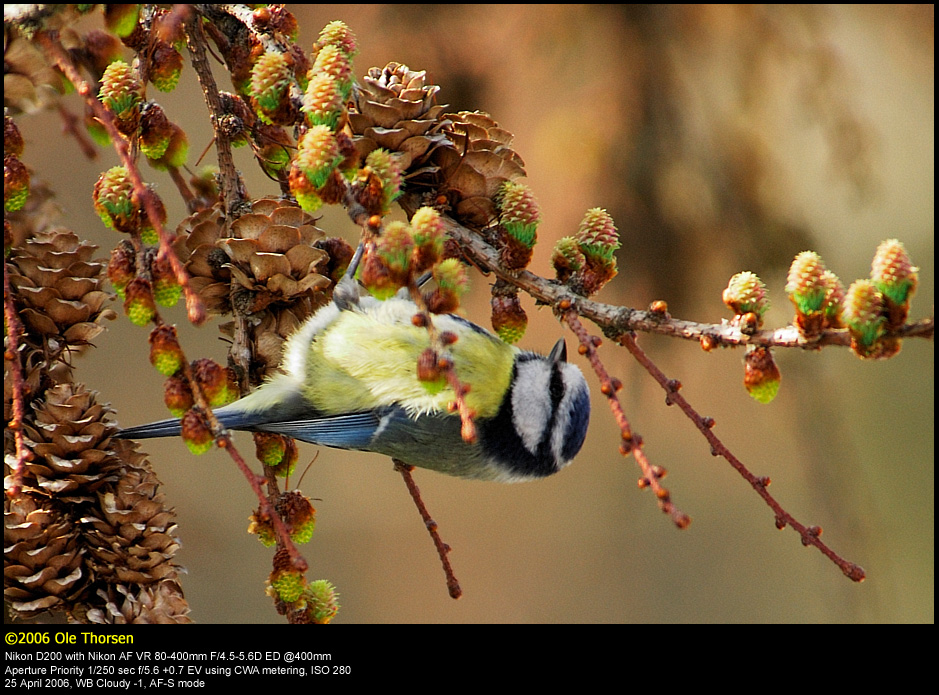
(348, 380)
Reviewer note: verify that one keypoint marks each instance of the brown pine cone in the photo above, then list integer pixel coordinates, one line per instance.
(42, 560)
(70, 439)
(59, 292)
(395, 109)
(474, 168)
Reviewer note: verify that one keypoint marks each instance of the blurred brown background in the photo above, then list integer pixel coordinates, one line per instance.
(720, 139)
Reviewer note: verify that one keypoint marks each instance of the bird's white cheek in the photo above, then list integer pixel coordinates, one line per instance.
(531, 406)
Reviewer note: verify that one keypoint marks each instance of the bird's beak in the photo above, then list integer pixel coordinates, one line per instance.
(559, 351)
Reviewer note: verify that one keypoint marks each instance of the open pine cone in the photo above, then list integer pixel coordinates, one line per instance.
(159, 603)
(58, 291)
(271, 270)
(476, 165)
(131, 534)
(71, 442)
(394, 109)
(42, 568)
(269, 259)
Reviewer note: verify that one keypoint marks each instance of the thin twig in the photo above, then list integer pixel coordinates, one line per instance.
(810, 534)
(224, 441)
(196, 309)
(618, 320)
(71, 127)
(57, 54)
(232, 189)
(467, 426)
(632, 443)
(14, 333)
(443, 550)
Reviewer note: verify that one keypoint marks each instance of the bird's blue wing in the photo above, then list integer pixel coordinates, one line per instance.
(352, 431)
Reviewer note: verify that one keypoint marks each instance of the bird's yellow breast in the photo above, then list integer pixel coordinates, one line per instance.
(367, 358)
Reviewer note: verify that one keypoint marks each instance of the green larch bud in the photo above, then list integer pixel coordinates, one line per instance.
(339, 35)
(138, 302)
(597, 235)
(156, 131)
(303, 190)
(120, 91)
(270, 447)
(298, 514)
(387, 168)
(761, 375)
(746, 293)
(15, 183)
(322, 601)
(318, 154)
(374, 275)
(508, 317)
(174, 156)
(195, 432)
(322, 102)
(805, 284)
(864, 316)
(450, 274)
(332, 61)
(177, 396)
(217, 382)
(166, 289)
(387, 266)
(276, 451)
(814, 292)
(113, 198)
(567, 258)
(262, 527)
(148, 232)
(166, 66)
(834, 300)
(395, 247)
(165, 353)
(121, 19)
(893, 273)
(452, 283)
(428, 232)
(287, 582)
(270, 80)
(598, 239)
(122, 267)
(429, 372)
(519, 213)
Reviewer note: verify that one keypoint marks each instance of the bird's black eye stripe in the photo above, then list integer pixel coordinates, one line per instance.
(556, 389)
(501, 440)
(556, 393)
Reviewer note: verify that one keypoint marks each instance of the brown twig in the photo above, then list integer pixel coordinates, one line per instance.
(467, 426)
(617, 320)
(632, 443)
(810, 534)
(14, 333)
(224, 441)
(194, 305)
(232, 188)
(619, 323)
(57, 54)
(443, 550)
(70, 121)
